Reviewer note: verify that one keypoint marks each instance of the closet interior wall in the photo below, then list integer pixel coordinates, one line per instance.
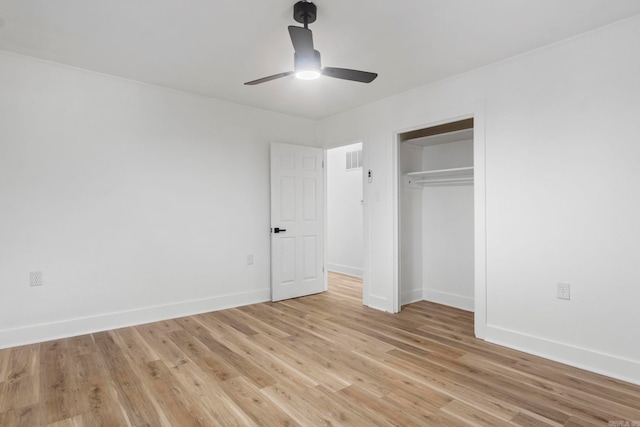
(436, 220)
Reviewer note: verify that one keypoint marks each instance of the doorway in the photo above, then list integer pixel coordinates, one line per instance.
(345, 252)
(436, 215)
(442, 172)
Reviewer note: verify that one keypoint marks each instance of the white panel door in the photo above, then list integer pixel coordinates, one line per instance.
(297, 223)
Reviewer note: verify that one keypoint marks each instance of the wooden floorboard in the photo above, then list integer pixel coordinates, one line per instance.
(320, 360)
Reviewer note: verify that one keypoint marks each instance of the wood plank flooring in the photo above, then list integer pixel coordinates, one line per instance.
(315, 361)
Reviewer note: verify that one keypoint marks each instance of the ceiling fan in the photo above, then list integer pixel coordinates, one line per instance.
(306, 60)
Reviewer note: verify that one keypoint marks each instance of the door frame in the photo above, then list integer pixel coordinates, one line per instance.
(475, 111)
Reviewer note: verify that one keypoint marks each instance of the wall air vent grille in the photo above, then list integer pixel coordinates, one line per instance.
(353, 160)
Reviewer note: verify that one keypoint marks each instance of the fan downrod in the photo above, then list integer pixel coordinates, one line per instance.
(304, 12)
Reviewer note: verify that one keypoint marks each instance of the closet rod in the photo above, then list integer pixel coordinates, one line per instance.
(442, 171)
(443, 180)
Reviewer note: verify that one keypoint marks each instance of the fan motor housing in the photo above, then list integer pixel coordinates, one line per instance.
(304, 12)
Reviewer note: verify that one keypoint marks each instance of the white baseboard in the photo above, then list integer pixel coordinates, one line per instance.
(379, 303)
(414, 295)
(87, 325)
(590, 360)
(452, 300)
(345, 269)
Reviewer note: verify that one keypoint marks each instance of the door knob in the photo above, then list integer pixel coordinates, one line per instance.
(279, 230)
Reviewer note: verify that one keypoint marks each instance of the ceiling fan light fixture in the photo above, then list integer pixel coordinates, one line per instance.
(307, 74)
(307, 66)
(306, 60)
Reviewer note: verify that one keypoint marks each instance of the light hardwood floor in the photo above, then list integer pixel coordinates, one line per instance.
(318, 360)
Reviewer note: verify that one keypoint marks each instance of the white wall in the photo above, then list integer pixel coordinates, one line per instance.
(447, 215)
(455, 154)
(562, 196)
(137, 203)
(344, 213)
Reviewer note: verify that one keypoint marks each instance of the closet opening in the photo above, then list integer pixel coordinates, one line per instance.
(436, 215)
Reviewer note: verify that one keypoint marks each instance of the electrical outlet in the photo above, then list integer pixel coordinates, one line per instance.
(249, 259)
(35, 278)
(564, 291)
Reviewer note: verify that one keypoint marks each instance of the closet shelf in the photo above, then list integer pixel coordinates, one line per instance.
(456, 176)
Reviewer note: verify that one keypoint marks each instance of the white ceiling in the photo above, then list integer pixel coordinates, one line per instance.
(211, 47)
